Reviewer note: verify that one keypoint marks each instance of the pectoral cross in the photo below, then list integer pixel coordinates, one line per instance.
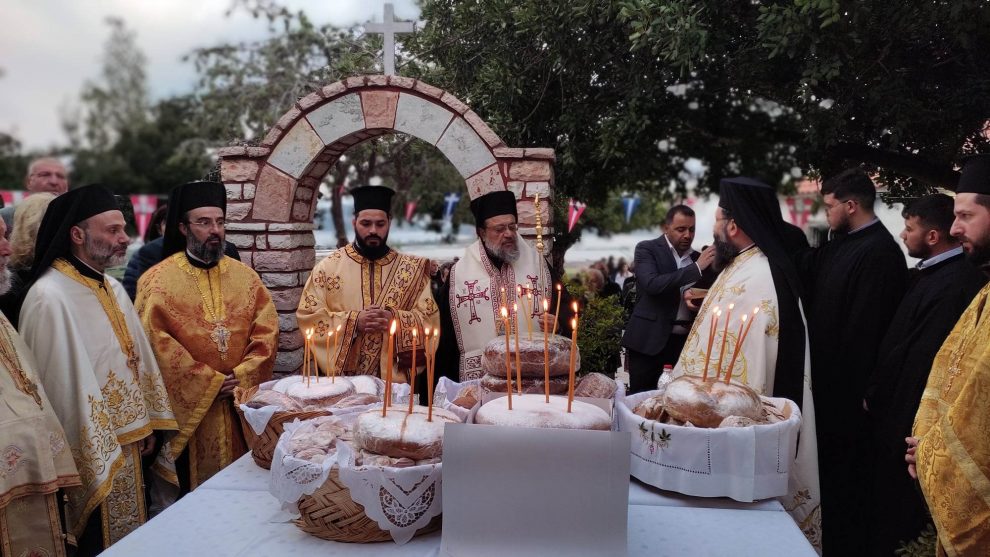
(537, 296)
(471, 297)
(389, 27)
(220, 336)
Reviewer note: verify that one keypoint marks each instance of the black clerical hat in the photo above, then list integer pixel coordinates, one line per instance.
(492, 205)
(373, 197)
(183, 199)
(64, 212)
(975, 175)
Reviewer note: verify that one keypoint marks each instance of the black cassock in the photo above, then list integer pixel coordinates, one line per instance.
(855, 283)
(936, 297)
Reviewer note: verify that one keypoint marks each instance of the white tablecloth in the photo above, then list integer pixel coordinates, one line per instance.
(234, 515)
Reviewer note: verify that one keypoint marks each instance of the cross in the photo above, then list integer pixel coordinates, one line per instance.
(449, 203)
(471, 297)
(389, 27)
(537, 295)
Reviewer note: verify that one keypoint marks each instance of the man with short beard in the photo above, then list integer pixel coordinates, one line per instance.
(486, 278)
(358, 290)
(213, 327)
(949, 451)
(95, 363)
(759, 283)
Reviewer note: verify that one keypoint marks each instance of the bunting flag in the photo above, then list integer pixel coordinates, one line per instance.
(629, 204)
(449, 204)
(144, 206)
(799, 214)
(410, 209)
(574, 210)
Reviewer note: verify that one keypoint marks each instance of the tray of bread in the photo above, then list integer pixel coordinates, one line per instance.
(710, 439)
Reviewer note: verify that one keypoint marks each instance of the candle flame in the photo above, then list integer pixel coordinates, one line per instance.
(574, 307)
(756, 310)
(546, 305)
(515, 307)
(309, 333)
(505, 313)
(436, 333)
(529, 294)
(338, 328)
(558, 287)
(744, 316)
(574, 323)
(391, 330)
(518, 290)
(715, 309)
(414, 331)
(426, 331)
(731, 306)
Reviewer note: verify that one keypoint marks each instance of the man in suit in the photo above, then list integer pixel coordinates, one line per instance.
(660, 321)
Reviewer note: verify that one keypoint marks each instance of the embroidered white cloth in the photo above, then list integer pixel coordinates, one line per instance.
(744, 463)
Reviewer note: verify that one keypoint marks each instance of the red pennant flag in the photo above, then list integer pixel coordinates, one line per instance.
(144, 205)
(574, 210)
(410, 210)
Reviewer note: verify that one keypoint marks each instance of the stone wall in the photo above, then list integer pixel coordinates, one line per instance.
(271, 188)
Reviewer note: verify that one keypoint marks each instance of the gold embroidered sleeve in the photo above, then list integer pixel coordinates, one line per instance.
(423, 313)
(314, 313)
(259, 357)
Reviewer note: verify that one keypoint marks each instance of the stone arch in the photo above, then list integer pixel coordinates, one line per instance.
(271, 188)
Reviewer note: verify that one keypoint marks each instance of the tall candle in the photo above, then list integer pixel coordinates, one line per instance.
(711, 339)
(556, 313)
(529, 313)
(412, 373)
(508, 372)
(515, 308)
(429, 375)
(327, 347)
(546, 350)
(740, 339)
(570, 377)
(307, 350)
(335, 352)
(388, 375)
(725, 337)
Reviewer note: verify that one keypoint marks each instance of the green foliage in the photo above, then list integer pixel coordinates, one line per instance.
(923, 546)
(599, 332)
(13, 163)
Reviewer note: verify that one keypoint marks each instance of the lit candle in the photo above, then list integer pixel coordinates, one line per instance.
(388, 375)
(739, 342)
(307, 350)
(711, 340)
(429, 375)
(515, 309)
(725, 337)
(412, 373)
(508, 372)
(546, 350)
(329, 334)
(556, 312)
(570, 377)
(335, 338)
(529, 313)
(429, 368)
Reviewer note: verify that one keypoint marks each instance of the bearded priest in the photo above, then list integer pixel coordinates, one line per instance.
(357, 290)
(758, 280)
(213, 327)
(95, 364)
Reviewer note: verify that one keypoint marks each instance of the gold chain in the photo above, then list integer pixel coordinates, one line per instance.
(212, 301)
(110, 308)
(8, 356)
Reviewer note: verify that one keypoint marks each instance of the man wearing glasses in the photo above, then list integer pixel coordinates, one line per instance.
(213, 327)
(855, 283)
(484, 279)
(44, 175)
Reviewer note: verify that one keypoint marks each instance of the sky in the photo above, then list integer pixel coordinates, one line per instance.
(50, 48)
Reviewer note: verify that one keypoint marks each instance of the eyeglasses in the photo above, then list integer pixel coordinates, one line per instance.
(208, 223)
(500, 229)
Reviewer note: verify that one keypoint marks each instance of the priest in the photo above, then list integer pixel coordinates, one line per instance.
(36, 458)
(95, 364)
(940, 288)
(483, 280)
(213, 327)
(358, 290)
(949, 452)
(758, 280)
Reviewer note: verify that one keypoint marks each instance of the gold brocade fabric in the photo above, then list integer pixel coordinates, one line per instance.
(31, 526)
(345, 283)
(180, 325)
(953, 428)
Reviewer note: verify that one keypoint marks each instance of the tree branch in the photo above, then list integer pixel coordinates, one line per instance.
(931, 172)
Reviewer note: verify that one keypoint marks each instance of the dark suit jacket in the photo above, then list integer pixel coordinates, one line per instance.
(658, 290)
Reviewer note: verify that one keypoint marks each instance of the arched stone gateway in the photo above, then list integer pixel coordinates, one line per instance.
(271, 188)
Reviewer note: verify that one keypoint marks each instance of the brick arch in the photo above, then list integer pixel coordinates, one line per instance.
(271, 188)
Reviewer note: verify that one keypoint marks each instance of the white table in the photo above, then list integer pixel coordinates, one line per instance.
(234, 515)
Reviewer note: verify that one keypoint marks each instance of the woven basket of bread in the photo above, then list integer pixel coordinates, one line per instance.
(331, 514)
(263, 446)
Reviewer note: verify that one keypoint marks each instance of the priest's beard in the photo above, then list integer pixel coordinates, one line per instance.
(104, 254)
(372, 252)
(507, 253)
(205, 251)
(724, 253)
(5, 281)
(978, 255)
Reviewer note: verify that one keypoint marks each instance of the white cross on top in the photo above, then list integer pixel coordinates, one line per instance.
(389, 27)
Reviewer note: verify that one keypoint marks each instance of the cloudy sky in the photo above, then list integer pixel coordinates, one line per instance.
(49, 48)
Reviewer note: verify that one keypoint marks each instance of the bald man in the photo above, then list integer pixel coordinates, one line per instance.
(46, 174)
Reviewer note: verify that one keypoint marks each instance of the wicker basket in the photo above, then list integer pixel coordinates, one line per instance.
(331, 514)
(263, 446)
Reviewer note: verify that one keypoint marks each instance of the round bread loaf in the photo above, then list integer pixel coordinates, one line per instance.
(595, 385)
(268, 397)
(650, 408)
(356, 399)
(401, 434)
(533, 411)
(495, 384)
(282, 385)
(367, 384)
(321, 393)
(707, 403)
(530, 356)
